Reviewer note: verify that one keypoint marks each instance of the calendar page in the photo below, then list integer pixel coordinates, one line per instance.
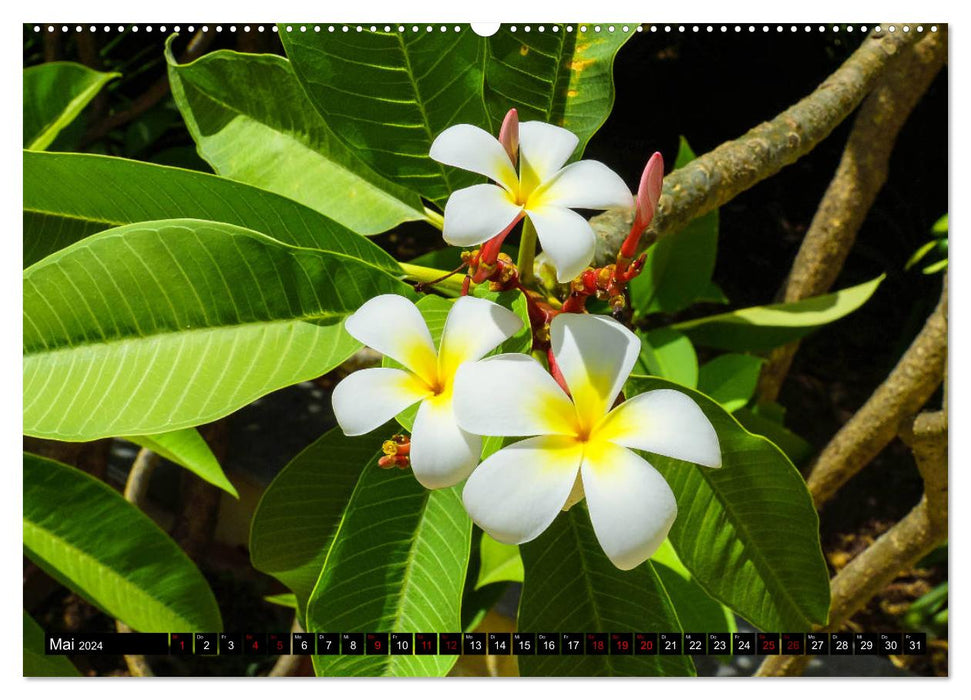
(423, 349)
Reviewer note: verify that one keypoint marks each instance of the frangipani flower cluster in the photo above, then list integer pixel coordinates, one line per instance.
(582, 445)
(579, 440)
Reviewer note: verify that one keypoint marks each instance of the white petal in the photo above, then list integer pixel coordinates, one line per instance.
(595, 354)
(475, 214)
(368, 398)
(442, 454)
(665, 422)
(543, 149)
(631, 506)
(474, 327)
(470, 148)
(394, 326)
(516, 493)
(587, 184)
(511, 395)
(566, 238)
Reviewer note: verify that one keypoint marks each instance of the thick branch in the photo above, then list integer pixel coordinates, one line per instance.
(898, 549)
(917, 375)
(720, 175)
(860, 176)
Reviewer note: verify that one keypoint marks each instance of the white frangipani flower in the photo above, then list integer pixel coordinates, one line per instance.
(442, 454)
(583, 446)
(543, 189)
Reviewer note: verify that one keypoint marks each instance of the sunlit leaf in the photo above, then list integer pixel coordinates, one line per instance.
(157, 326)
(760, 328)
(252, 122)
(188, 449)
(68, 196)
(54, 95)
(92, 540)
(667, 353)
(498, 562)
(730, 379)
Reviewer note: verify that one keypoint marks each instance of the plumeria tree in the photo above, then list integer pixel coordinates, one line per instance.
(532, 409)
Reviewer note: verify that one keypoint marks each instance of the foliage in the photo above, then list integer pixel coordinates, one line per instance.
(158, 299)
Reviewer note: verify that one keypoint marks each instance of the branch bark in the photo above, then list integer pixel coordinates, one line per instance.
(917, 375)
(860, 176)
(898, 549)
(720, 175)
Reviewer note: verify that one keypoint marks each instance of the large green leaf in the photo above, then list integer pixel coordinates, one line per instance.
(571, 586)
(36, 662)
(157, 326)
(252, 122)
(397, 564)
(70, 196)
(91, 539)
(300, 511)
(387, 95)
(760, 328)
(188, 449)
(730, 379)
(678, 268)
(54, 95)
(564, 78)
(748, 531)
(669, 354)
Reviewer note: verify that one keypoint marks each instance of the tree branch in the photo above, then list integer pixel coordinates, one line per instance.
(917, 375)
(898, 549)
(720, 175)
(860, 176)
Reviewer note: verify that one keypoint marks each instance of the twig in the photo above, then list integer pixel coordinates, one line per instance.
(916, 376)
(152, 96)
(898, 549)
(287, 664)
(135, 489)
(720, 175)
(861, 174)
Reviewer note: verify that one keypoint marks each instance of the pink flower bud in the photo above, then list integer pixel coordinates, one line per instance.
(649, 190)
(509, 134)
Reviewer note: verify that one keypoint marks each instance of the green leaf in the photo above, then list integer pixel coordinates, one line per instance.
(678, 268)
(697, 611)
(564, 78)
(756, 421)
(188, 449)
(499, 562)
(157, 326)
(730, 379)
(54, 95)
(397, 564)
(669, 354)
(760, 328)
(252, 122)
(92, 540)
(300, 511)
(940, 226)
(36, 662)
(713, 294)
(387, 95)
(69, 196)
(748, 531)
(286, 600)
(571, 586)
